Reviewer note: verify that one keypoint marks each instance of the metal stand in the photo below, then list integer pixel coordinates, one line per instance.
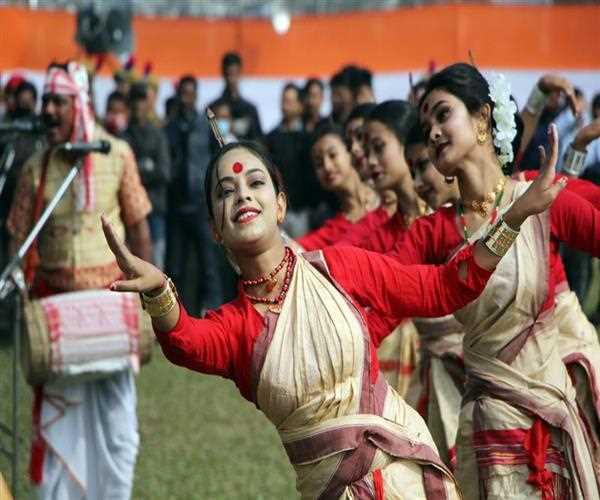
(6, 163)
(12, 280)
(13, 430)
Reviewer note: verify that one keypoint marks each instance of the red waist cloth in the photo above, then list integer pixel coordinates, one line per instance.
(519, 446)
(536, 444)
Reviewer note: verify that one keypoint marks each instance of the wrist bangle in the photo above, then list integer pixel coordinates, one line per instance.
(500, 238)
(163, 303)
(574, 161)
(536, 101)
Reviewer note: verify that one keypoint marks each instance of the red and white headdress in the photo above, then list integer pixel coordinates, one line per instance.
(74, 82)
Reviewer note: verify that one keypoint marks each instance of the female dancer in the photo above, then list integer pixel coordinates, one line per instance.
(354, 132)
(359, 202)
(519, 432)
(386, 130)
(355, 138)
(436, 390)
(297, 341)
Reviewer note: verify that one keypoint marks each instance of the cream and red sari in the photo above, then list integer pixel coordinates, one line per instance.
(520, 434)
(580, 351)
(346, 431)
(436, 389)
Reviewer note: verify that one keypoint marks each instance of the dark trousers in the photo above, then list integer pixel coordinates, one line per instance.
(193, 261)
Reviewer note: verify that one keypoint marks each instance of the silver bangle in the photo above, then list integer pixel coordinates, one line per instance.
(500, 238)
(574, 161)
(536, 101)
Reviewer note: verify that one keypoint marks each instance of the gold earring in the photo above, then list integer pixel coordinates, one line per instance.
(481, 136)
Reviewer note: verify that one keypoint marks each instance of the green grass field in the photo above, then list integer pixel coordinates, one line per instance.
(199, 438)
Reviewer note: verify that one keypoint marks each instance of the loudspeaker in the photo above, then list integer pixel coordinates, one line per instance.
(105, 28)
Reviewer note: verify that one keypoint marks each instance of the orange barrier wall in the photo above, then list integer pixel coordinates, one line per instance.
(519, 37)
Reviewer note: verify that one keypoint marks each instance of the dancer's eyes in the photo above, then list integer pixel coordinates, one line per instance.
(443, 114)
(378, 147)
(224, 191)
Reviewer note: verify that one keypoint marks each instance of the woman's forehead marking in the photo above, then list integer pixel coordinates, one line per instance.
(237, 167)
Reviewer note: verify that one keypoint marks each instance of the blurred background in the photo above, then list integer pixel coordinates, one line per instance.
(281, 41)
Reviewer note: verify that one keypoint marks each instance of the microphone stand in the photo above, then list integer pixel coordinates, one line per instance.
(12, 279)
(6, 163)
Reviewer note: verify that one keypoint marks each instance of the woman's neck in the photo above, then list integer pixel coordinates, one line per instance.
(476, 179)
(356, 199)
(389, 201)
(261, 263)
(407, 198)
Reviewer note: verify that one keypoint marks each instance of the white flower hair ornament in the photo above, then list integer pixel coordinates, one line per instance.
(504, 116)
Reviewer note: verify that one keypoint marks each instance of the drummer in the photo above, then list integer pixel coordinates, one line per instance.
(70, 255)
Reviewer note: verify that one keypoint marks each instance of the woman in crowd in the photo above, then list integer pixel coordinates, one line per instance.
(385, 129)
(436, 393)
(297, 341)
(385, 132)
(355, 139)
(436, 389)
(520, 431)
(354, 135)
(579, 345)
(359, 203)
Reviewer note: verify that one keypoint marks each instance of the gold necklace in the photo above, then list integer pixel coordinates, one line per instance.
(483, 207)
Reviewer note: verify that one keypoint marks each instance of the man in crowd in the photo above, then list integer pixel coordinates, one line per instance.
(362, 86)
(187, 227)
(342, 96)
(15, 148)
(312, 97)
(117, 113)
(246, 123)
(288, 145)
(85, 433)
(10, 100)
(151, 149)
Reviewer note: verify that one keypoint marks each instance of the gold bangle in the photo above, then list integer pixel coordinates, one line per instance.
(163, 303)
(500, 238)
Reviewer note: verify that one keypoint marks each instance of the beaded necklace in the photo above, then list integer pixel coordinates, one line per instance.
(270, 278)
(461, 211)
(274, 303)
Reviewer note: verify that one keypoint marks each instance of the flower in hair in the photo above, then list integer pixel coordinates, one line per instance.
(504, 117)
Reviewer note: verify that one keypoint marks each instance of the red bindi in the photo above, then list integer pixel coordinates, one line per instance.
(237, 167)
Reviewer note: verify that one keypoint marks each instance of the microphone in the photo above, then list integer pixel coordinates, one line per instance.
(25, 126)
(83, 148)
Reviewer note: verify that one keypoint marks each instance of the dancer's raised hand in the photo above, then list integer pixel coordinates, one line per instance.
(543, 190)
(141, 276)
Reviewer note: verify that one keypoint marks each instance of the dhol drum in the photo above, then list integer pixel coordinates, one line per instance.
(84, 335)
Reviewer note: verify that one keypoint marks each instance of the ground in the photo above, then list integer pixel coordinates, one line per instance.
(199, 438)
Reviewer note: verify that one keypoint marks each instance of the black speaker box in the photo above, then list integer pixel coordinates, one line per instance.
(105, 29)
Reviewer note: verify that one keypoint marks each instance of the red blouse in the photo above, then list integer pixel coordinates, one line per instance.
(382, 239)
(433, 238)
(340, 227)
(222, 343)
(587, 190)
